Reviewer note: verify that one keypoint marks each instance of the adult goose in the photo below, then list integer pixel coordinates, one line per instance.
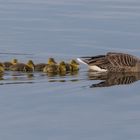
(112, 62)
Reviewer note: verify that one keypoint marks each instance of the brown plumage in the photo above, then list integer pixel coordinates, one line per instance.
(29, 67)
(40, 66)
(8, 64)
(113, 62)
(51, 68)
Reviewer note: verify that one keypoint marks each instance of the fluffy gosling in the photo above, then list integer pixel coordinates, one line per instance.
(29, 67)
(51, 66)
(7, 64)
(74, 65)
(1, 68)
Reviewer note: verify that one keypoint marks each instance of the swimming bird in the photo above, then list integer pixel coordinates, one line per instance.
(8, 64)
(51, 66)
(51, 61)
(29, 67)
(74, 65)
(41, 66)
(62, 67)
(112, 62)
(1, 68)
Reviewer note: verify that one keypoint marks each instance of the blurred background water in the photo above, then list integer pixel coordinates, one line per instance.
(65, 107)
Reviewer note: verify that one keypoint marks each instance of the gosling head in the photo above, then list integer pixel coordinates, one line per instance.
(62, 66)
(62, 63)
(14, 61)
(30, 64)
(74, 62)
(74, 65)
(51, 61)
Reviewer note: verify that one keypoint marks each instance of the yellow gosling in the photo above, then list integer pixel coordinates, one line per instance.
(74, 65)
(7, 64)
(14, 61)
(29, 67)
(51, 66)
(51, 61)
(41, 66)
(62, 67)
(1, 68)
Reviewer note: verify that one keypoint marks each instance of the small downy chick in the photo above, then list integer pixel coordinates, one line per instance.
(29, 67)
(8, 64)
(74, 65)
(51, 66)
(1, 68)
(62, 67)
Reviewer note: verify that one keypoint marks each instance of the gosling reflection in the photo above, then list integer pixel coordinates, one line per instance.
(22, 76)
(112, 79)
(1, 76)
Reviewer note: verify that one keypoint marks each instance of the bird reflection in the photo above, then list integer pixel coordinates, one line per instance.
(112, 79)
(1, 76)
(22, 76)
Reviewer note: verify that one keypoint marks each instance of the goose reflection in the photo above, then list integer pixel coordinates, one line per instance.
(112, 79)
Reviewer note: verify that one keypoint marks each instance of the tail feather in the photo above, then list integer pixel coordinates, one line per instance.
(81, 61)
(90, 59)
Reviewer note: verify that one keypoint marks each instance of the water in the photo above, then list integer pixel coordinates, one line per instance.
(80, 106)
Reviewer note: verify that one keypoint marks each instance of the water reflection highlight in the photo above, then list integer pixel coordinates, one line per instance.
(112, 79)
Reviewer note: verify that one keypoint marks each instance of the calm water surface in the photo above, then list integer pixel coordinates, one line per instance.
(78, 106)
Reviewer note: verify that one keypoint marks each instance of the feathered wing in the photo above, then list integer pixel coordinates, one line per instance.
(121, 59)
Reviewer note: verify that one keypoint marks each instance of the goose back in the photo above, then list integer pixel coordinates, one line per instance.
(114, 62)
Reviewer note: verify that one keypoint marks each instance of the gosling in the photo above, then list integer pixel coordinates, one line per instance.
(8, 64)
(74, 65)
(29, 67)
(51, 66)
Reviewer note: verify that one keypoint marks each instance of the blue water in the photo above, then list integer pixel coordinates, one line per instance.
(37, 106)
